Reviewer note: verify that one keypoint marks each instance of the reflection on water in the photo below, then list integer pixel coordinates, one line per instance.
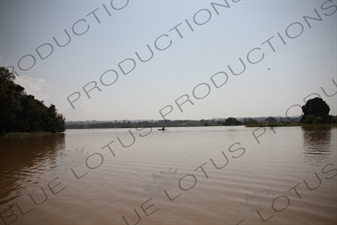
(27, 159)
(316, 146)
(217, 186)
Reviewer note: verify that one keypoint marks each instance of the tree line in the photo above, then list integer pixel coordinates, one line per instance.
(230, 121)
(315, 111)
(20, 112)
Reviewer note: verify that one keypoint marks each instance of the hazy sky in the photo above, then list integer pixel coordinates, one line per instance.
(287, 56)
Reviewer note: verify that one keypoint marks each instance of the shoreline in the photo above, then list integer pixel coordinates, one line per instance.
(11, 134)
(293, 125)
(247, 125)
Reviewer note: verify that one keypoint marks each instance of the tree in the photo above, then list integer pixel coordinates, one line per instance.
(315, 111)
(20, 112)
(270, 120)
(10, 97)
(231, 121)
(248, 121)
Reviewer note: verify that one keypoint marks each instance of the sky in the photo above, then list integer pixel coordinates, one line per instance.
(209, 59)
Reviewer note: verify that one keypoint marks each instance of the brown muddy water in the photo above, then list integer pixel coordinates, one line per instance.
(199, 175)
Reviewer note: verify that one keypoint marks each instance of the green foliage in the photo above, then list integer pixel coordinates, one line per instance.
(333, 119)
(310, 119)
(20, 112)
(313, 119)
(315, 111)
(271, 120)
(231, 121)
(250, 121)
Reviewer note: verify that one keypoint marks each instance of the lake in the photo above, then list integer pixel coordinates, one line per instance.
(185, 175)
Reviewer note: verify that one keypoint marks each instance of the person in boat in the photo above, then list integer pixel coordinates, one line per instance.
(163, 128)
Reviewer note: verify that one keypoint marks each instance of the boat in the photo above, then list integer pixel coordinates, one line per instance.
(162, 129)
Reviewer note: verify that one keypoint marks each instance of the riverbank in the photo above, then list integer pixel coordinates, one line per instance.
(29, 133)
(292, 125)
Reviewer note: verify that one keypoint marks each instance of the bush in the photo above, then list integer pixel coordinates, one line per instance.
(311, 119)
